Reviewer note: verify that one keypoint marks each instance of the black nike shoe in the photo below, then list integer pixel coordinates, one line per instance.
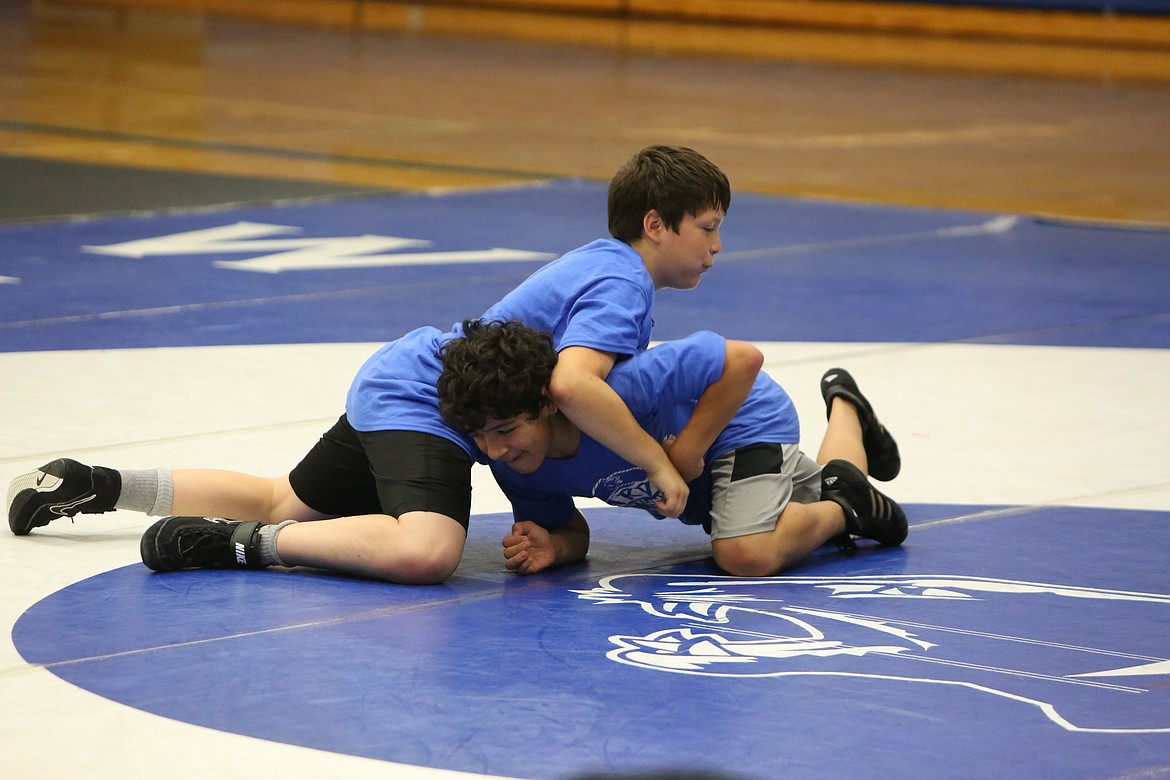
(869, 513)
(880, 448)
(201, 543)
(62, 488)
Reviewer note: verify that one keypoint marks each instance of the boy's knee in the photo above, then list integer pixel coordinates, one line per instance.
(421, 559)
(743, 557)
(416, 566)
(425, 569)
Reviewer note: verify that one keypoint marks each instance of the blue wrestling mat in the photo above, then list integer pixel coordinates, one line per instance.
(933, 656)
(1000, 641)
(373, 269)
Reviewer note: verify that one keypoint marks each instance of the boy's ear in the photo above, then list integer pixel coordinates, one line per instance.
(653, 225)
(550, 408)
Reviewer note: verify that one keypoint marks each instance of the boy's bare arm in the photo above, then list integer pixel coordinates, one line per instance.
(579, 390)
(718, 404)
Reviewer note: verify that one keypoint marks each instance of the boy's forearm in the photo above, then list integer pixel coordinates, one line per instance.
(719, 403)
(604, 417)
(600, 413)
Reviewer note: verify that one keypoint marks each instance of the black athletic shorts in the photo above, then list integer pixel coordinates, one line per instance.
(350, 472)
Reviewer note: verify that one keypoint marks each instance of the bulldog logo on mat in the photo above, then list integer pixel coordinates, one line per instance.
(1051, 647)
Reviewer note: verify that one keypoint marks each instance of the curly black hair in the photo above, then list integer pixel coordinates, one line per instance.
(495, 369)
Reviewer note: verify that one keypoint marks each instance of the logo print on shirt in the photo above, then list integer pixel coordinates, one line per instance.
(627, 488)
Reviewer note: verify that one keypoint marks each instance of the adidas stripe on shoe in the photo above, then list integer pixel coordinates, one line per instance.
(869, 513)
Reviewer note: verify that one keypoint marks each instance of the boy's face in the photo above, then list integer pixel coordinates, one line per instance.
(521, 443)
(690, 252)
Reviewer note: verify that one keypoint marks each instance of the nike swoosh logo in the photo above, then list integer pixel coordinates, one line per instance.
(63, 509)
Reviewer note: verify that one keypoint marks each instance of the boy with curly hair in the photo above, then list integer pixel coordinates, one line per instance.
(732, 432)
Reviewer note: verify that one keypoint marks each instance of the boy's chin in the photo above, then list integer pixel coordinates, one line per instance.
(522, 466)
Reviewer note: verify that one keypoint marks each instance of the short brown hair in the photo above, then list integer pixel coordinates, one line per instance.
(673, 180)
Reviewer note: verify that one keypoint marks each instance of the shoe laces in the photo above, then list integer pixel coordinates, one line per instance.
(200, 545)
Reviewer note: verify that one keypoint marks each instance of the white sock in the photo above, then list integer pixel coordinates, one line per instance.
(151, 491)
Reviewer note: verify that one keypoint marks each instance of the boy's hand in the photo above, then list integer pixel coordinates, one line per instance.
(673, 488)
(529, 548)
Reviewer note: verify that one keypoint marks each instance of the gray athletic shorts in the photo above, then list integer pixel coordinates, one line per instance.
(751, 486)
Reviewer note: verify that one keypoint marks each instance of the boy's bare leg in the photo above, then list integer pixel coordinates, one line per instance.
(843, 437)
(883, 462)
(236, 496)
(64, 488)
(856, 442)
(417, 548)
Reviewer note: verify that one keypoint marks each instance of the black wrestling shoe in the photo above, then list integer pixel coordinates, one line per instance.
(868, 513)
(62, 488)
(881, 451)
(201, 543)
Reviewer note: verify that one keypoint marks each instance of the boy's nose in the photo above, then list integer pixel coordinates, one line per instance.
(494, 448)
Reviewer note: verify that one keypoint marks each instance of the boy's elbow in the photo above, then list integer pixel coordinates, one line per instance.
(745, 356)
(566, 387)
(757, 358)
(563, 388)
(576, 371)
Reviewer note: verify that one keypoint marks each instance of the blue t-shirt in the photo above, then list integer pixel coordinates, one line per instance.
(598, 296)
(397, 389)
(661, 386)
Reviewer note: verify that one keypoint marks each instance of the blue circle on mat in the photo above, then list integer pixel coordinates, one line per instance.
(944, 652)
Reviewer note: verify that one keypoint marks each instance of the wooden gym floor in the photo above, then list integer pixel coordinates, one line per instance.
(193, 93)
